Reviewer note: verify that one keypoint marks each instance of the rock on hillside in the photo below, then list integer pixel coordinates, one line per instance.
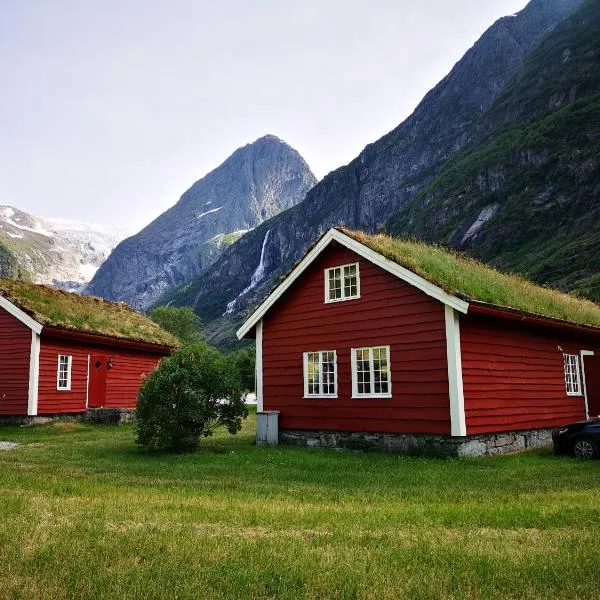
(58, 252)
(255, 183)
(386, 175)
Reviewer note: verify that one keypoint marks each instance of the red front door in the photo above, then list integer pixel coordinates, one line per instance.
(592, 383)
(97, 383)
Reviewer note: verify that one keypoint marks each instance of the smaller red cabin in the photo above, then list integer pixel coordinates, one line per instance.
(373, 341)
(63, 353)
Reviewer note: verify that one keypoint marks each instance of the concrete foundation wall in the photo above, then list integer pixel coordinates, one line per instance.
(421, 445)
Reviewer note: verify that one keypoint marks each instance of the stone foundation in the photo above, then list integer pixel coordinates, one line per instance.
(23, 420)
(110, 416)
(421, 445)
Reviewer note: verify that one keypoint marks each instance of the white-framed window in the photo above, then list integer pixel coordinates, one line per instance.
(320, 374)
(572, 375)
(371, 372)
(342, 283)
(63, 373)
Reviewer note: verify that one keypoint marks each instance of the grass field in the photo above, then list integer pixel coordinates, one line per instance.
(84, 514)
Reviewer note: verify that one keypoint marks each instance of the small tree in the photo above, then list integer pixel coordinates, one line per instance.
(191, 393)
(244, 362)
(182, 322)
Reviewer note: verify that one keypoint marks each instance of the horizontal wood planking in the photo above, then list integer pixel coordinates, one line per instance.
(51, 400)
(126, 376)
(389, 312)
(15, 349)
(513, 376)
(123, 380)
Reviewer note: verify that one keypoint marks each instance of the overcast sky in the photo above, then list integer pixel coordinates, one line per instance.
(111, 109)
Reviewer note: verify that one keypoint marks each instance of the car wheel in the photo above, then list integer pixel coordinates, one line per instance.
(586, 449)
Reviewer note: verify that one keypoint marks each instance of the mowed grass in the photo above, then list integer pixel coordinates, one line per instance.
(84, 514)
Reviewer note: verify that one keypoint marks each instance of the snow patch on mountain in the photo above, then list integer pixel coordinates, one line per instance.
(58, 252)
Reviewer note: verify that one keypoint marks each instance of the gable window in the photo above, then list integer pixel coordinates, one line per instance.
(342, 283)
(63, 377)
(572, 377)
(320, 374)
(371, 376)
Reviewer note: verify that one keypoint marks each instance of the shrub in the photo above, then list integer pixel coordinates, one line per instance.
(182, 322)
(191, 393)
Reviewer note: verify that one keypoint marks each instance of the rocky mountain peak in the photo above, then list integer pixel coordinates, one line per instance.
(255, 183)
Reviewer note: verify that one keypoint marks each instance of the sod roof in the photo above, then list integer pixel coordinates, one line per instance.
(471, 280)
(87, 314)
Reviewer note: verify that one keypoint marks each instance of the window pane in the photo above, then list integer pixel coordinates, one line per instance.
(335, 283)
(313, 373)
(328, 373)
(380, 371)
(350, 281)
(363, 371)
(572, 381)
(320, 373)
(63, 371)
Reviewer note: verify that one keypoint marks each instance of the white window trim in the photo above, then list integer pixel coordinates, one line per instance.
(578, 373)
(67, 388)
(308, 396)
(343, 298)
(355, 393)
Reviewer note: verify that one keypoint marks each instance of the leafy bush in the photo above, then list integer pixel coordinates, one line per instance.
(182, 322)
(191, 393)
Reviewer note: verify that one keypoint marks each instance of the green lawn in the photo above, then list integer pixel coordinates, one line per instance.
(84, 514)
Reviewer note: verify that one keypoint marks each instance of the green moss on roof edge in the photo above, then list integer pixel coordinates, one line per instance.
(471, 280)
(86, 314)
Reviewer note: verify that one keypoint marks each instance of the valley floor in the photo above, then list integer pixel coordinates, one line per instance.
(84, 514)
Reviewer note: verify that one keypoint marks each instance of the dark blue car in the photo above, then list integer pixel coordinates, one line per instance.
(581, 439)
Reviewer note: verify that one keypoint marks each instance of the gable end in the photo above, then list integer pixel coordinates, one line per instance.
(391, 267)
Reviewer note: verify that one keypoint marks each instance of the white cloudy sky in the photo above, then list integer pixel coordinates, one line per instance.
(110, 110)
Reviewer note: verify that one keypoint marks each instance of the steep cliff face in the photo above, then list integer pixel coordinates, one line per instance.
(58, 252)
(253, 184)
(386, 175)
(525, 195)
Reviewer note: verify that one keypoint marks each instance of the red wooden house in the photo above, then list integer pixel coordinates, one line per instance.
(63, 353)
(371, 341)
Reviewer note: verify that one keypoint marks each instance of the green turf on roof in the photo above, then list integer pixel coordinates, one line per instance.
(87, 314)
(472, 280)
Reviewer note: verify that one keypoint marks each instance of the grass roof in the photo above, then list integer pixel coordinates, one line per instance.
(88, 314)
(472, 280)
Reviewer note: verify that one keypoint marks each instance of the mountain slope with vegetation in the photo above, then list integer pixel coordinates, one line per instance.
(388, 173)
(525, 196)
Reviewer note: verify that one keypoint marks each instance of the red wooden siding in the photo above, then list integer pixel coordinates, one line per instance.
(389, 312)
(15, 349)
(123, 380)
(513, 376)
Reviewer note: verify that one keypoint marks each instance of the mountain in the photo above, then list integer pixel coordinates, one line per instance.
(62, 253)
(525, 196)
(387, 174)
(253, 184)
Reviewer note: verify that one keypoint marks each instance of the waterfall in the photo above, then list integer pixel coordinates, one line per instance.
(257, 277)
